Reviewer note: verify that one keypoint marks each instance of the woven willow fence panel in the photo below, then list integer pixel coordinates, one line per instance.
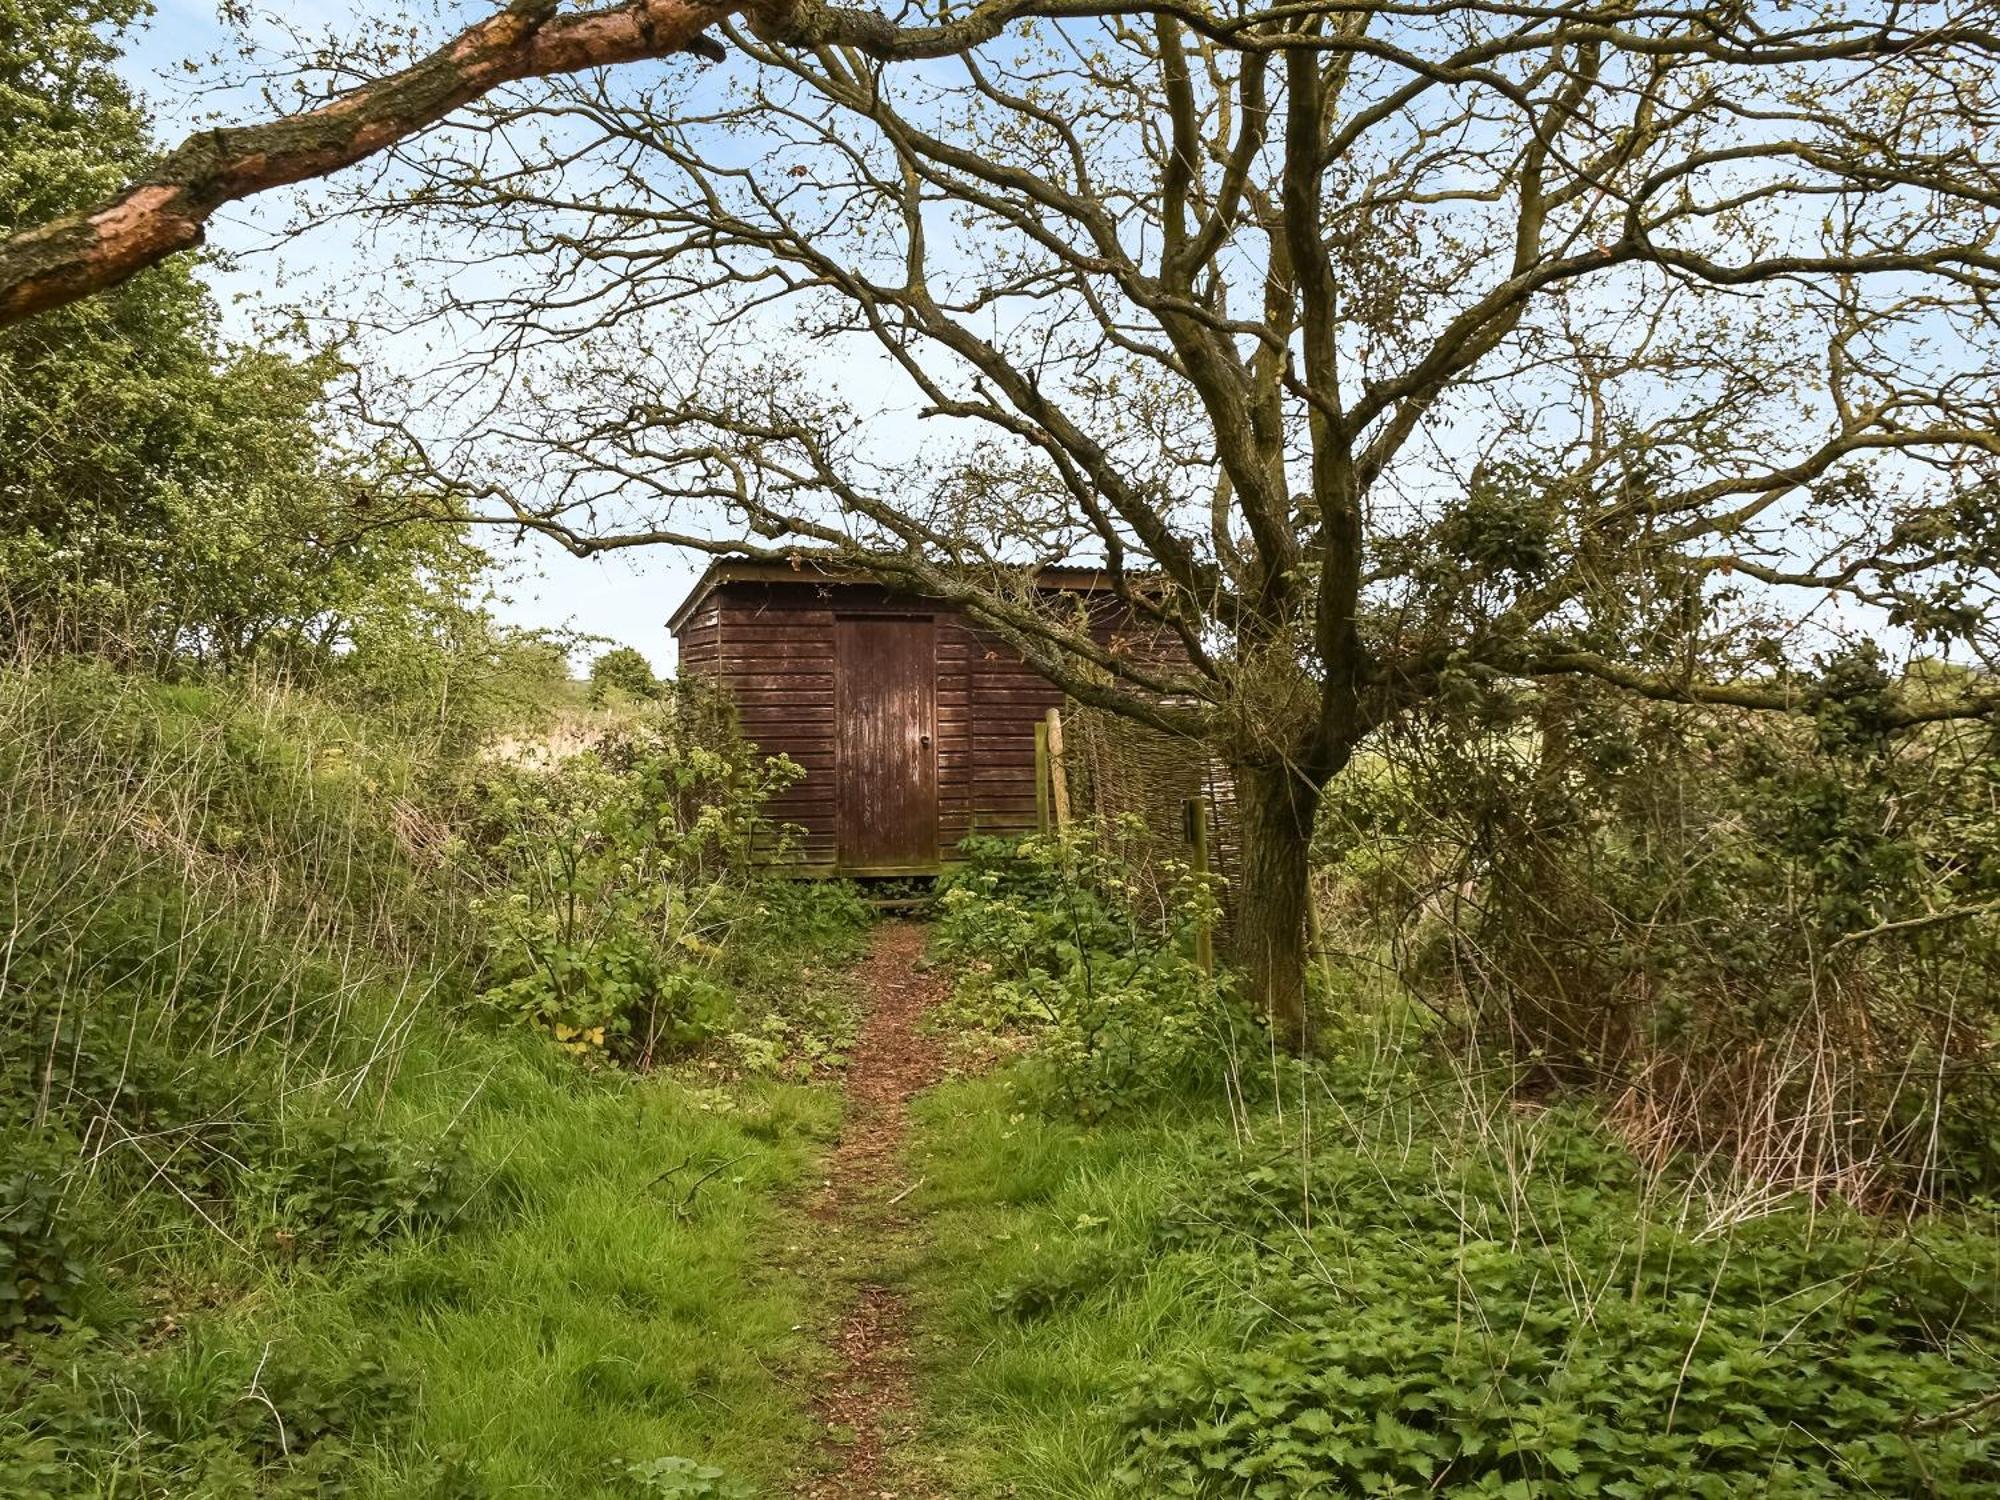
(1132, 783)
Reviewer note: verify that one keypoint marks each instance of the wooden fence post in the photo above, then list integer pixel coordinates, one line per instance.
(1042, 775)
(1058, 770)
(1197, 829)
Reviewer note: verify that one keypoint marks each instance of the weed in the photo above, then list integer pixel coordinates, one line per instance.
(281, 1213)
(1376, 1275)
(681, 1479)
(41, 1267)
(1122, 1016)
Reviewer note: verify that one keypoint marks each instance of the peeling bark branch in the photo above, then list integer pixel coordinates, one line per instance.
(167, 210)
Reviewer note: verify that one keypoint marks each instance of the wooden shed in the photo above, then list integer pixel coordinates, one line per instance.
(914, 727)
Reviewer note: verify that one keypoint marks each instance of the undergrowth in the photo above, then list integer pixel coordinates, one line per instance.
(1120, 1014)
(291, 1201)
(1381, 1274)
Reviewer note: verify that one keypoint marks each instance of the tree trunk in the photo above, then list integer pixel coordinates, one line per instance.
(1276, 807)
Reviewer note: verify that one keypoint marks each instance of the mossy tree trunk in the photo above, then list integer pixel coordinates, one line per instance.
(1276, 806)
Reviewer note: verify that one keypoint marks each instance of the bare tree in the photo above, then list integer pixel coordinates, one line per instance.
(167, 211)
(1379, 349)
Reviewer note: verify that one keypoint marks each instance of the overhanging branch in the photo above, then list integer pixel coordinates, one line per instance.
(1774, 698)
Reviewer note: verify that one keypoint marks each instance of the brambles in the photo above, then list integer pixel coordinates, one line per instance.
(1765, 943)
(335, 1183)
(80, 1419)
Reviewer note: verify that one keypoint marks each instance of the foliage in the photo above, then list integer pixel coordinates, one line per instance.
(335, 1183)
(1122, 1017)
(1388, 1281)
(167, 498)
(1762, 939)
(203, 1417)
(73, 130)
(622, 673)
(682, 1479)
(617, 876)
(1491, 1328)
(41, 1267)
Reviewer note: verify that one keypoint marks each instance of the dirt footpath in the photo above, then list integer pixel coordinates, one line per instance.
(865, 1410)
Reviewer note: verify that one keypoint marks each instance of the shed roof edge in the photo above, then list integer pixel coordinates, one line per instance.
(803, 570)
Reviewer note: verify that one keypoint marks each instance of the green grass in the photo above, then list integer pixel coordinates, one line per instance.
(607, 1315)
(1038, 1302)
(285, 1212)
(587, 1306)
(1480, 1301)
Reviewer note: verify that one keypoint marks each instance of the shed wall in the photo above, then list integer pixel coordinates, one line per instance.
(772, 645)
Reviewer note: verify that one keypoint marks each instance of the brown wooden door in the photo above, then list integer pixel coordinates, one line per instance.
(886, 700)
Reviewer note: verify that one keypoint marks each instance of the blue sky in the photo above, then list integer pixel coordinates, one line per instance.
(626, 598)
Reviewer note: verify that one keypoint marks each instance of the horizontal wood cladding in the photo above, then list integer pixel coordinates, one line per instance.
(772, 645)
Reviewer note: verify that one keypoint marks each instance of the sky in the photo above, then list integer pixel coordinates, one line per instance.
(625, 598)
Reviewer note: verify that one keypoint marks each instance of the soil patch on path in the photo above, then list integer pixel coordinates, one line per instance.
(865, 1409)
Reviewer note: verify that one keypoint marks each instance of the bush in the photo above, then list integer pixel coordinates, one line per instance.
(617, 877)
(1766, 941)
(1121, 1018)
(79, 1419)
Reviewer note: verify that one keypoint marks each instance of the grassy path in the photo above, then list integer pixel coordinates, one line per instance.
(865, 1406)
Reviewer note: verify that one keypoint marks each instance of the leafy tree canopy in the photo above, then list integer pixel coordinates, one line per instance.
(622, 670)
(164, 495)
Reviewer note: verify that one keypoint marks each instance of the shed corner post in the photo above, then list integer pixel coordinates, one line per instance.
(1041, 775)
(1058, 770)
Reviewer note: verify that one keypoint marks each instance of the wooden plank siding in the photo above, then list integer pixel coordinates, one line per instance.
(773, 645)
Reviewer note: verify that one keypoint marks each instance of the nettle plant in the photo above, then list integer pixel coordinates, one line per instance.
(615, 877)
(1502, 1308)
(41, 1269)
(1046, 936)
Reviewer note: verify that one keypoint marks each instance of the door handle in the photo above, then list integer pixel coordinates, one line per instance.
(924, 740)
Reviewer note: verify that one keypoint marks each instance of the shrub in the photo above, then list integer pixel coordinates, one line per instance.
(1122, 1018)
(616, 877)
(1764, 940)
